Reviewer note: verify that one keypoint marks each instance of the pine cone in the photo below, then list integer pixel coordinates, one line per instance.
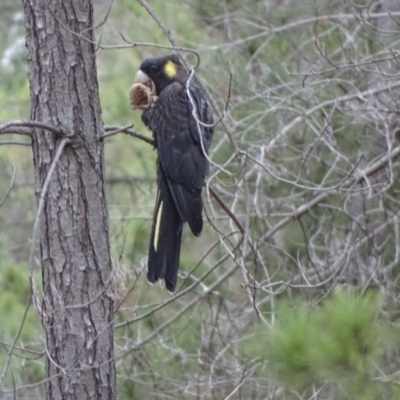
(140, 96)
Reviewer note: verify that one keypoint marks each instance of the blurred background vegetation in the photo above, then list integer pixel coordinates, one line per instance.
(301, 300)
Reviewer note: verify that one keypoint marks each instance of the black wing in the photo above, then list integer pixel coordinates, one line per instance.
(181, 144)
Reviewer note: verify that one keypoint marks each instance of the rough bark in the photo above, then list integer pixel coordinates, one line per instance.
(75, 259)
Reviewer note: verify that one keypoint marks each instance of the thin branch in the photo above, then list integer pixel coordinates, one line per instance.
(113, 130)
(10, 187)
(231, 215)
(10, 127)
(14, 143)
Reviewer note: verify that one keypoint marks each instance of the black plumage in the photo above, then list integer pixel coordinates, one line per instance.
(182, 142)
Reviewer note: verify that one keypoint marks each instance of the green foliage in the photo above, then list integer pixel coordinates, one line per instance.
(14, 289)
(342, 342)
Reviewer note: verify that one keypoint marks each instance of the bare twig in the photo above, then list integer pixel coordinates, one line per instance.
(14, 143)
(113, 130)
(10, 187)
(15, 127)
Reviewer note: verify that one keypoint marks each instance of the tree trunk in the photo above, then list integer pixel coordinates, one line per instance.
(75, 259)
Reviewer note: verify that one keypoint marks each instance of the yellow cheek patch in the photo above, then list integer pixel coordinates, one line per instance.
(170, 69)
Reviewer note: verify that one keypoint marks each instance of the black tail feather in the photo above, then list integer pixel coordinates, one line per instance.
(165, 240)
